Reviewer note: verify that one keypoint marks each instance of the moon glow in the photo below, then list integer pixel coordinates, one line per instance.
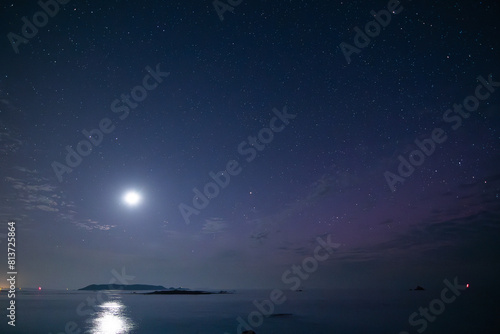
(132, 198)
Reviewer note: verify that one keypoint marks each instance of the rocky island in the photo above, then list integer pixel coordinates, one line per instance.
(156, 289)
(95, 287)
(185, 292)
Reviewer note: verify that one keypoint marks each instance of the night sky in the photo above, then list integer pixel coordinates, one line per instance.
(309, 138)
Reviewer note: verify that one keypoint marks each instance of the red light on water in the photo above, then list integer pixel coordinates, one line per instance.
(40, 288)
(467, 285)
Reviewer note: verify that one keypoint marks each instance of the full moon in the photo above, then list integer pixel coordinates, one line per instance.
(132, 198)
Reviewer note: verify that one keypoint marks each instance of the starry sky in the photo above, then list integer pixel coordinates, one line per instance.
(217, 80)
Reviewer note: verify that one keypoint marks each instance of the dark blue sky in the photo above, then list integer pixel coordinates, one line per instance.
(319, 172)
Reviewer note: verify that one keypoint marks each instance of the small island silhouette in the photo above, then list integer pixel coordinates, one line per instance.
(95, 287)
(157, 289)
(185, 292)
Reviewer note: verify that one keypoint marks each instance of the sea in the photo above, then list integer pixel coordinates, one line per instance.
(339, 311)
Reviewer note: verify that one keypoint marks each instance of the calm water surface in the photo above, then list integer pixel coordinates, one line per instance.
(314, 311)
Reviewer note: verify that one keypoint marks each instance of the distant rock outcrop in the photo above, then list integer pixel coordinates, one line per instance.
(418, 288)
(184, 292)
(248, 332)
(281, 315)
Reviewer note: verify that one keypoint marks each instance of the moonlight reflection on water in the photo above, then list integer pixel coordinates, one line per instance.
(111, 319)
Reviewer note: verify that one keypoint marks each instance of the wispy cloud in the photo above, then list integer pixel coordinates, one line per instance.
(214, 225)
(467, 236)
(26, 191)
(320, 189)
(89, 225)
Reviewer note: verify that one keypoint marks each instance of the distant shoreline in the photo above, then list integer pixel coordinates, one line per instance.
(154, 289)
(186, 292)
(128, 287)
